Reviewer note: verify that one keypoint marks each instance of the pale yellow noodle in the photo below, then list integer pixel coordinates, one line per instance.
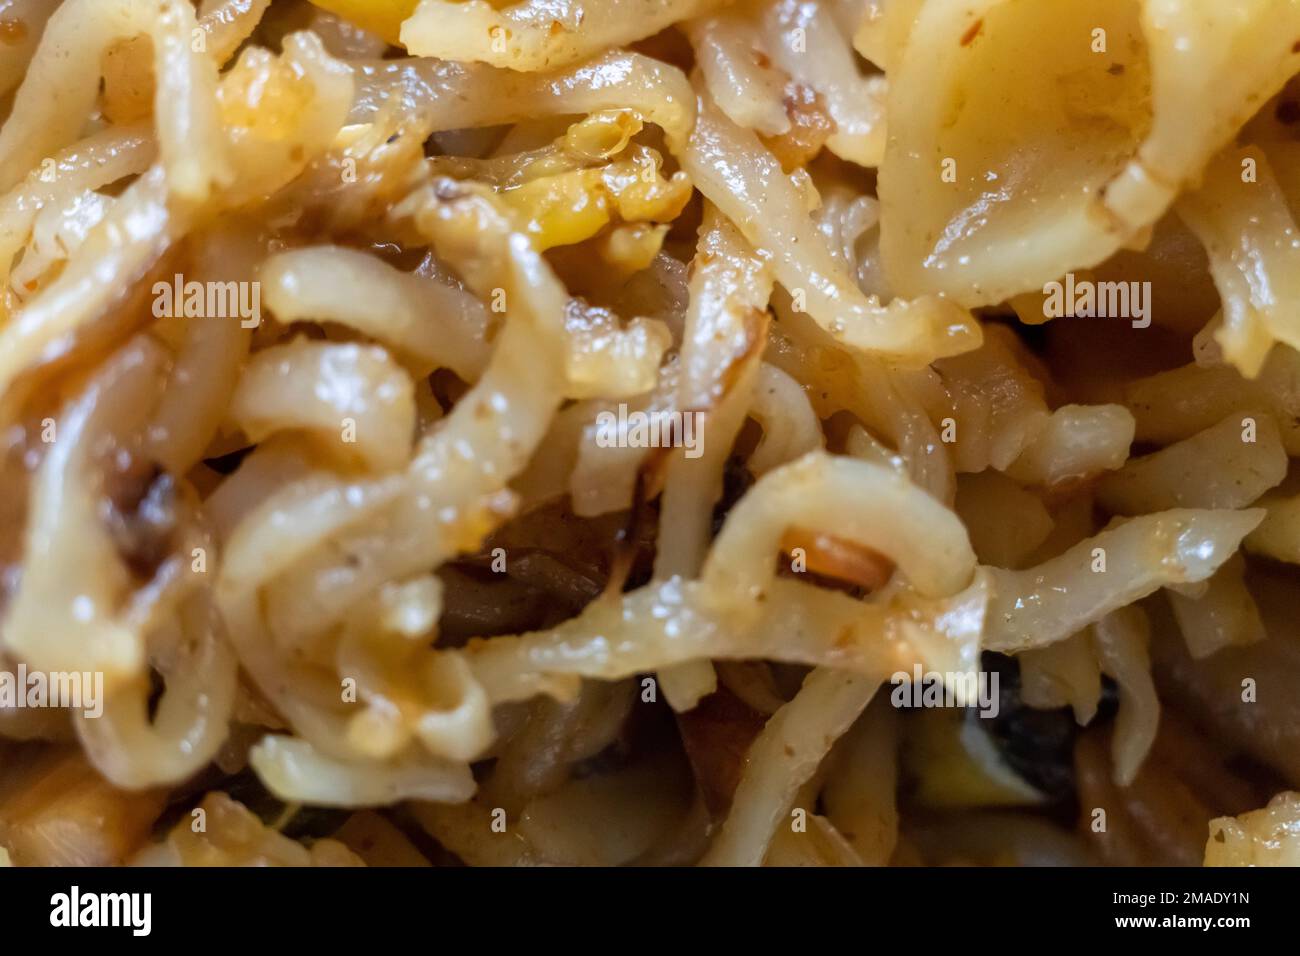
(1224, 615)
(793, 743)
(66, 613)
(723, 329)
(54, 101)
(354, 398)
(741, 177)
(790, 426)
(1049, 602)
(427, 324)
(1121, 641)
(535, 35)
(1226, 466)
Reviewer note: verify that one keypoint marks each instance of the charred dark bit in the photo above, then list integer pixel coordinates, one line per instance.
(428, 847)
(306, 824)
(736, 480)
(1288, 112)
(823, 581)
(157, 686)
(1037, 744)
(227, 464)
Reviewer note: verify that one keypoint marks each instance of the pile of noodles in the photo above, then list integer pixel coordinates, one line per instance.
(366, 583)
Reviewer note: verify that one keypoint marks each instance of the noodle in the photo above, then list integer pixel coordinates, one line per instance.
(781, 760)
(597, 432)
(530, 36)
